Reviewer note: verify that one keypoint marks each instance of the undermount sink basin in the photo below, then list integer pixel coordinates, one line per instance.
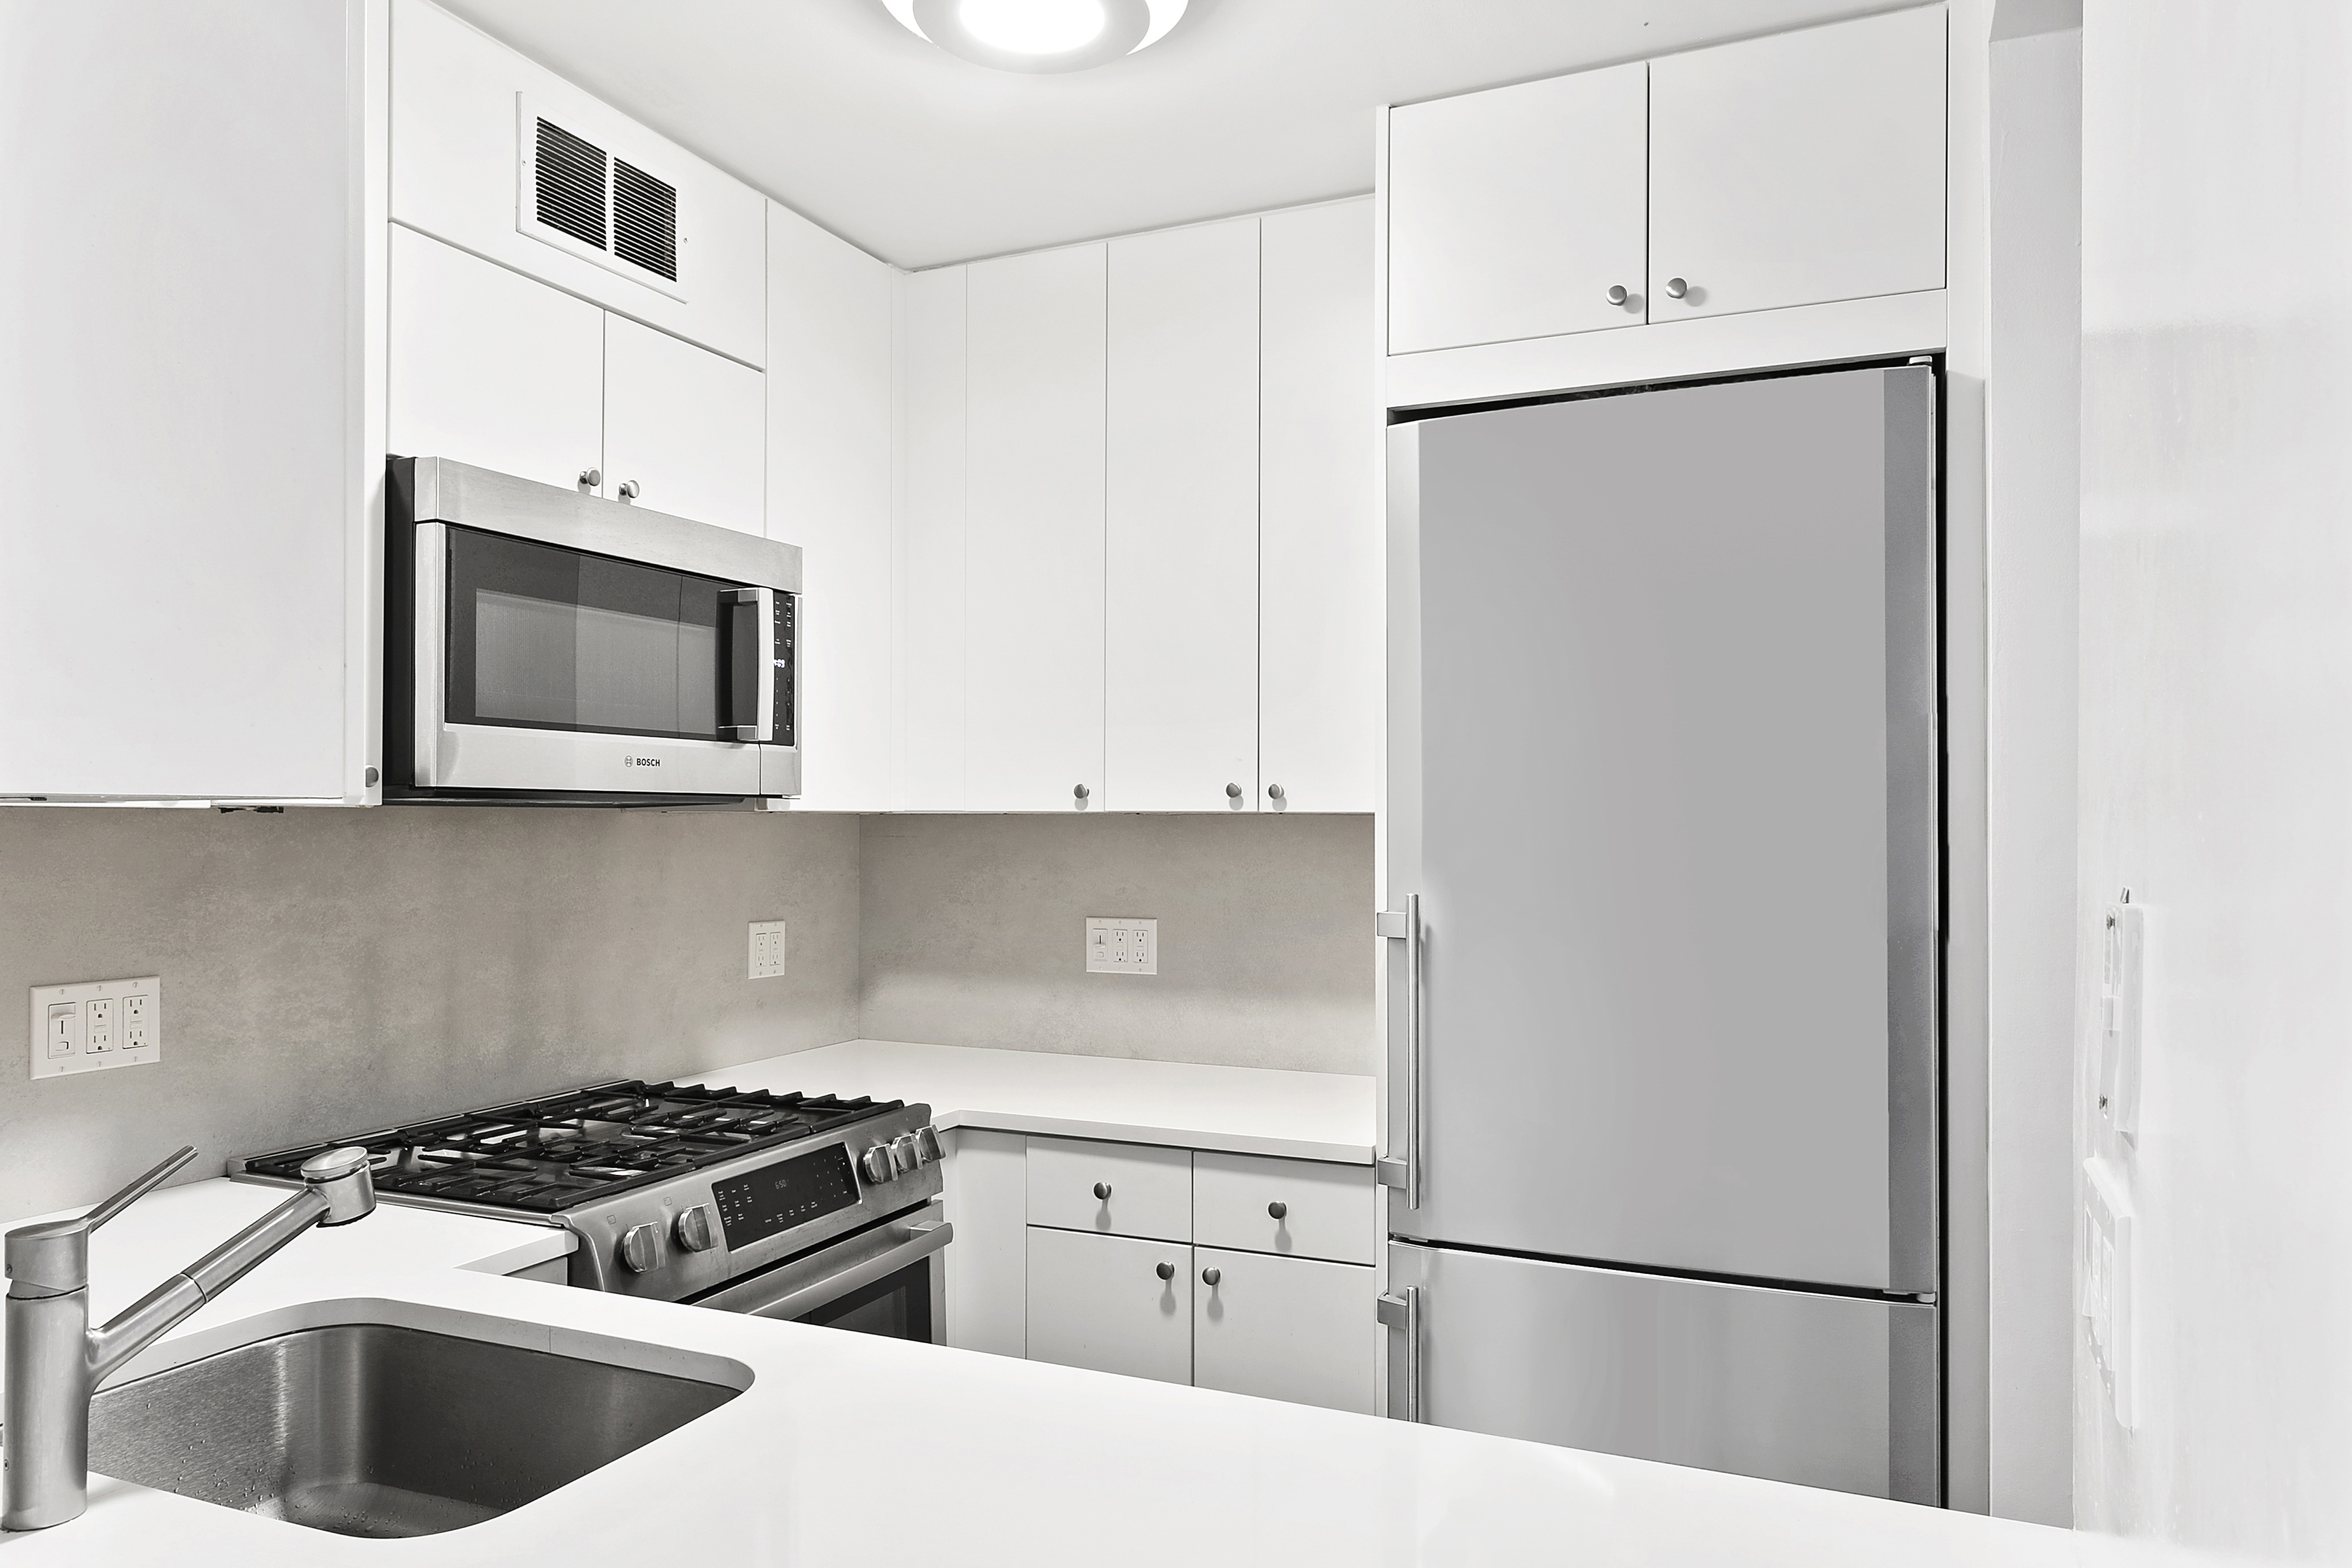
(375, 1429)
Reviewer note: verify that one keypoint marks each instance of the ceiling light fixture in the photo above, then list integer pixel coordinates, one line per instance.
(1039, 35)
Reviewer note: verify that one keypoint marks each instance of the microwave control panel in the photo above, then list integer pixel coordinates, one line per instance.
(788, 617)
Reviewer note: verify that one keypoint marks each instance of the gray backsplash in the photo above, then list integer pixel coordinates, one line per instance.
(973, 935)
(333, 971)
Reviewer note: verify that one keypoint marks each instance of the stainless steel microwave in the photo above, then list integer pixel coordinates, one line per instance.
(549, 646)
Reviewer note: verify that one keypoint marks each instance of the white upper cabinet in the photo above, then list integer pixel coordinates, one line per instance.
(1798, 169)
(829, 454)
(622, 207)
(490, 368)
(1181, 528)
(1513, 214)
(927, 676)
(1319, 653)
(1033, 708)
(684, 428)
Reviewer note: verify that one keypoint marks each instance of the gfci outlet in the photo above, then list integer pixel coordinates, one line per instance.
(767, 950)
(1122, 944)
(96, 1023)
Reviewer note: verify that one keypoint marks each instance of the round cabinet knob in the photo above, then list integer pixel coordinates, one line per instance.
(903, 1155)
(1233, 792)
(1277, 1209)
(1274, 791)
(1102, 1191)
(1617, 294)
(693, 1229)
(927, 1146)
(875, 1162)
(1166, 1271)
(1676, 287)
(1079, 792)
(590, 477)
(1210, 1276)
(628, 489)
(641, 1248)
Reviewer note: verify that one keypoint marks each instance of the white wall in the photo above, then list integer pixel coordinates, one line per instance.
(2217, 749)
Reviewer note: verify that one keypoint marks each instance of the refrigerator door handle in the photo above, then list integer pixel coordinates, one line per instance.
(1405, 1171)
(1402, 1311)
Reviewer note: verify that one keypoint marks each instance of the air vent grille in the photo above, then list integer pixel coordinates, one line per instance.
(571, 186)
(644, 220)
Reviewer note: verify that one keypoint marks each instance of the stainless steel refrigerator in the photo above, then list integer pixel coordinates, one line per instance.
(1662, 877)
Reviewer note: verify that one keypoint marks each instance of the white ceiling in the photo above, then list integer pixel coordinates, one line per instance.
(836, 111)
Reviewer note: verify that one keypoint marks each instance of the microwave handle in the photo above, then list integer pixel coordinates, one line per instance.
(763, 659)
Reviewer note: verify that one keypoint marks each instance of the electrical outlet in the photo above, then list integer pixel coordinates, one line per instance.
(2122, 983)
(96, 1023)
(767, 950)
(2105, 1276)
(1122, 944)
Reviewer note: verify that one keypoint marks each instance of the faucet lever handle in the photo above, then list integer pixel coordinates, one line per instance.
(138, 1189)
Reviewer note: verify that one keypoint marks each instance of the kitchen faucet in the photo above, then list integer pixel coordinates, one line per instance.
(56, 1360)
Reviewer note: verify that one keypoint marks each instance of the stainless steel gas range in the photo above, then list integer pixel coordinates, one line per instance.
(782, 1205)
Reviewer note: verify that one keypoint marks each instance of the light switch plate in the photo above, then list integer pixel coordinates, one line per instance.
(2105, 1276)
(767, 950)
(95, 1024)
(1122, 944)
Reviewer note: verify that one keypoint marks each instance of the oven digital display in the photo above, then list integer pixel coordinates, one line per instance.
(788, 1193)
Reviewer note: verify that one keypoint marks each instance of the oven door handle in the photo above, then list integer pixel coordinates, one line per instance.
(762, 658)
(924, 1236)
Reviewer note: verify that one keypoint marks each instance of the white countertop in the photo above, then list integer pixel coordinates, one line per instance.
(1241, 1110)
(846, 1449)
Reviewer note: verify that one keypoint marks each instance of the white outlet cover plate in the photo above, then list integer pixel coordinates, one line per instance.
(128, 1019)
(767, 950)
(1122, 944)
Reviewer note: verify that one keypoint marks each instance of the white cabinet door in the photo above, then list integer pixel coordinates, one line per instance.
(1799, 168)
(1101, 1301)
(1033, 709)
(1283, 1327)
(829, 456)
(928, 667)
(491, 368)
(686, 427)
(1319, 660)
(1180, 700)
(1512, 213)
(986, 1196)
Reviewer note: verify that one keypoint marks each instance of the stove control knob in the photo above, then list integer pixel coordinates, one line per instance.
(876, 1162)
(641, 1248)
(927, 1144)
(693, 1229)
(903, 1157)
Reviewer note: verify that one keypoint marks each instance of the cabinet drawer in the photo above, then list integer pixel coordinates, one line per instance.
(1283, 1327)
(1099, 1301)
(1119, 1189)
(1325, 1211)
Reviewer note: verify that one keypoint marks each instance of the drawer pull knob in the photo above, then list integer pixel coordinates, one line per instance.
(1676, 287)
(1277, 1208)
(1617, 294)
(1166, 1271)
(1102, 1191)
(1210, 1276)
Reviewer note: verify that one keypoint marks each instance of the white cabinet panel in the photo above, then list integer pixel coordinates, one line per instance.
(1319, 660)
(1100, 1302)
(1181, 529)
(927, 671)
(986, 1193)
(492, 368)
(1128, 1189)
(829, 456)
(1305, 1208)
(1283, 1327)
(1513, 213)
(455, 174)
(688, 428)
(1033, 709)
(1799, 168)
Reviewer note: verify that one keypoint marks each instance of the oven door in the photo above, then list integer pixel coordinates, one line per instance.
(887, 1279)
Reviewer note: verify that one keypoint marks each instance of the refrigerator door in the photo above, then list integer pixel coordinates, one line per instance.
(1662, 772)
(1821, 1390)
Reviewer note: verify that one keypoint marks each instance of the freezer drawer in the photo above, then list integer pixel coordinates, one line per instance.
(1825, 1391)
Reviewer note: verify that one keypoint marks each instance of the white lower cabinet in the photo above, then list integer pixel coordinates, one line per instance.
(1283, 1327)
(1111, 1303)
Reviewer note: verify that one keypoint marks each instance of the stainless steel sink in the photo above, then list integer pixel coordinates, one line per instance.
(378, 1430)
